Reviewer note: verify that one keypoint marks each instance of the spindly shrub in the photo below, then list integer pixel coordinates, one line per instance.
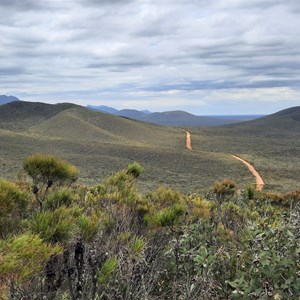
(224, 188)
(23, 256)
(136, 246)
(165, 196)
(199, 208)
(61, 197)
(13, 203)
(107, 270)
(55, 226)
(88, 227)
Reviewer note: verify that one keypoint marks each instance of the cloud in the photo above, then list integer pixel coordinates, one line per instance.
(13, 71)
(147, 51)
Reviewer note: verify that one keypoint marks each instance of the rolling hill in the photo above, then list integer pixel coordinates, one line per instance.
(182, 118)
(20, 115)
(291, 114)
(100, 143)
(284, 122)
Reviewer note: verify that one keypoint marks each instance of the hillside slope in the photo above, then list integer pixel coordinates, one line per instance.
(80, 123)
(100, 144)
(20, 115)
(284, 122)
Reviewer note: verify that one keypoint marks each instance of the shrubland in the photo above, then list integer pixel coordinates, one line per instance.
(62, 240)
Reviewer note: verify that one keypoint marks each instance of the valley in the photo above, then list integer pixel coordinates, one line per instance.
(100, 144)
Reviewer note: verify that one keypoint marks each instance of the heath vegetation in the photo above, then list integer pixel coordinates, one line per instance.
(62, 240)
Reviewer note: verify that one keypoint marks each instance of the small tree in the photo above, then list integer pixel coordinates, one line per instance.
(47, 170)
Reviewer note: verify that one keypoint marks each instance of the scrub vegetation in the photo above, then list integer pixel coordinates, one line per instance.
(64, 240)
(100, 144)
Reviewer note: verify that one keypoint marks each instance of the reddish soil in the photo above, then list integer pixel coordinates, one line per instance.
(259, 182)
(188, 142)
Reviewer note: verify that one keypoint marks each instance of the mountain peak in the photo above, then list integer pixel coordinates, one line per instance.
(6, 99)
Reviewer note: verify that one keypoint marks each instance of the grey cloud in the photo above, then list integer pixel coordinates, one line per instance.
(118, 66)
(222, 85)
(107, 2)
(13, 71)
(23, 5)
(149, 46)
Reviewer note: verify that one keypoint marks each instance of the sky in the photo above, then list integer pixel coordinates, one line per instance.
(207, 57)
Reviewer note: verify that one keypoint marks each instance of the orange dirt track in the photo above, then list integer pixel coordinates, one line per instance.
(259, 182)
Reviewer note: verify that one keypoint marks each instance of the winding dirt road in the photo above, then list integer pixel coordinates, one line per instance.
(188, 142)
(259, 182)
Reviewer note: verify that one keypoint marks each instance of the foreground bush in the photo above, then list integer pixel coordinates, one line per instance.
(110, 242)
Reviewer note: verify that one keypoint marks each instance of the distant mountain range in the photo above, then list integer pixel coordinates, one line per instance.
(6, 99)
(174, 118)
(169, 118)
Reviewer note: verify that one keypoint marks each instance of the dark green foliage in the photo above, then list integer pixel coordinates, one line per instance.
(267, 266)
(250, 190)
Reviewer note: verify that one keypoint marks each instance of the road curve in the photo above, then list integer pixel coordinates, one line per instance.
(259, 182)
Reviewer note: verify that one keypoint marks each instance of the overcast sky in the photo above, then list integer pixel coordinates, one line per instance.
(202, 56)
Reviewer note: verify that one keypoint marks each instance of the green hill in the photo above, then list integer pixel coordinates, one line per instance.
(284, 122)
(20, 115)
(100, 144)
